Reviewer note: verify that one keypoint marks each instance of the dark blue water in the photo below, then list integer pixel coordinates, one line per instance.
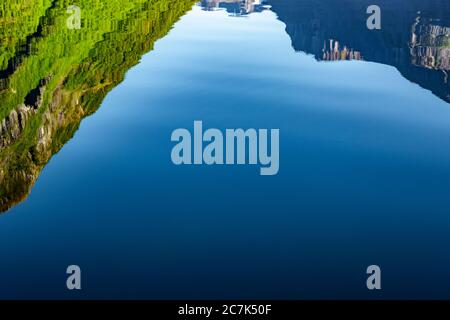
(364, 179)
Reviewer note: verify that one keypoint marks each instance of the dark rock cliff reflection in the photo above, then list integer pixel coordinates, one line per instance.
(414, 38)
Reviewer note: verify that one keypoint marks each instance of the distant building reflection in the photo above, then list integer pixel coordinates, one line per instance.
(234, 7)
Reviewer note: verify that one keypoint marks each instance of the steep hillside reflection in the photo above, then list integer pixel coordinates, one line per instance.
(52, 76)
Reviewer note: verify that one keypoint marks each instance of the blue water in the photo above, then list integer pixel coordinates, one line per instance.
(364, 179)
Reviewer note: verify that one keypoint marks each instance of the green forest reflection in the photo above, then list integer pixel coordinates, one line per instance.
(53, 75)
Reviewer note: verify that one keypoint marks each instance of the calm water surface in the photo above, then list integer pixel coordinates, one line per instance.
(364, 175)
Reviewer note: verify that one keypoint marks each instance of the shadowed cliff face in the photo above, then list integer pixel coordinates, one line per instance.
(52, 76)
(414, 38)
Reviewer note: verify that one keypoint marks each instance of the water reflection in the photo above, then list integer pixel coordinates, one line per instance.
(365, 165)
(235, 7)
(414, 33)
(52, 77)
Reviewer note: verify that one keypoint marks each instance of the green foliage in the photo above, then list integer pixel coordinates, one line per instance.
(82, 65)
